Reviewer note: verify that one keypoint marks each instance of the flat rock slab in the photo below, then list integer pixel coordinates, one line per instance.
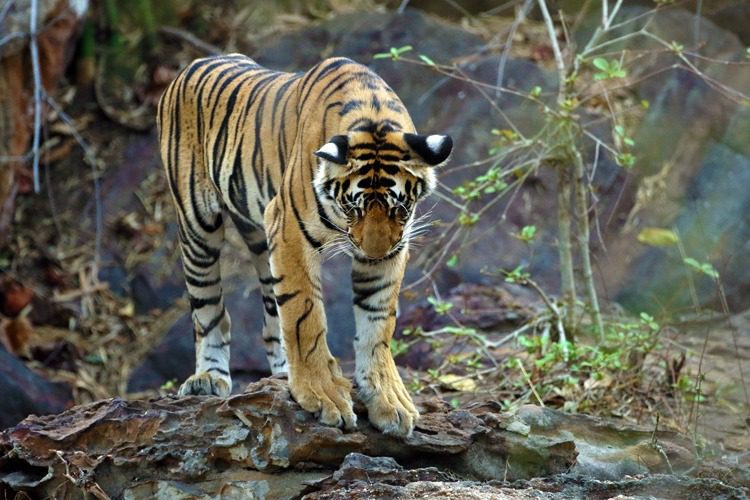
(262, 443)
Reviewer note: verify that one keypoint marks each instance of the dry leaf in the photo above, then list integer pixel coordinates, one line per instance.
(15, 335)
(458, 382)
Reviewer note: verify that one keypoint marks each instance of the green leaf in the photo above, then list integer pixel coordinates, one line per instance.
(658, 237)
(441, 307)
(625, 160)
(382, 55)
(452, 261)
(701, 267)
(468, 219)
(527, 234)
(601, 63)
(427, 60)
(676, 47)
(536, 91)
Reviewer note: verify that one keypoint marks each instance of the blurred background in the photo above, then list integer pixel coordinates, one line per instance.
(91, 292)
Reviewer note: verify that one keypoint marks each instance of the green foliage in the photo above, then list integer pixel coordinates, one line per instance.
(677, 48)
(658, 237)
(565, 367)
(441, 307)
(625, 160)
(622, 136)
(690, 389)
(489, 182)
(398, 347)
(427, 60)
(701, 267)
(517, 275)
(608, 69)
(169, 385)
(394, 53)
(468, 218)
(527, 234)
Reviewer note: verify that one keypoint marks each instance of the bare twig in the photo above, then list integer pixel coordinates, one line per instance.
(531, 384)
(5, 9)
(34, 46)
(520, 16)
(559, 61)
(583, 237)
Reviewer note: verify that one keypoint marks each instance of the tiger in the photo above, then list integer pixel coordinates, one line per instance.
(301, 163)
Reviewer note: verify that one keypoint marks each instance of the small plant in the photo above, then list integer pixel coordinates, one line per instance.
(394, 53)
(169, 386)
(701, 267)
(517, 275)
(527, 234)
(398, 347)
(441, 307)
(608, 69)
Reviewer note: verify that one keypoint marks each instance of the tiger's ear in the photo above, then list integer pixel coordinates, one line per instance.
(335, 150)
(433, 149)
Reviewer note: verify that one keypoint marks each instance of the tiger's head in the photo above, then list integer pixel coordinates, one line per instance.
(374, 180)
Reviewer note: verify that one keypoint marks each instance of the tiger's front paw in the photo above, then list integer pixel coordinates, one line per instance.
(324, 390)
(206, 384)
(389, 405)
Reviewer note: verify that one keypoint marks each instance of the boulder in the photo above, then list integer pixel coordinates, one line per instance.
(261, 443)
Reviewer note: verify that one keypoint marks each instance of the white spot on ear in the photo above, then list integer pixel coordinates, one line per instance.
(435, 142)
(330, 149)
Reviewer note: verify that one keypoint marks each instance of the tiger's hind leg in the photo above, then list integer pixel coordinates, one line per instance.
(201, 237)
(255, 239)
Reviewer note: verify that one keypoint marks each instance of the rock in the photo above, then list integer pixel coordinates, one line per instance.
(262, 442)
(25, 392)
(366, 478)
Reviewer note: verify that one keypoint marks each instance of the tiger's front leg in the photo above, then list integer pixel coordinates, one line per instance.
(376, 286)
(315, 378)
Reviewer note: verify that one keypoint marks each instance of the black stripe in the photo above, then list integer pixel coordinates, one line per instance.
(270, 280)
(320, 72)
(369, 308)
(315, 345)
(300, 320)
(214, 323)
(283, 298)
(258, 248)
(358, 277)
(312, 241)
(364, 293)
(202, 283)
(350, 106)
(218, 370)
(197, 303)
(324, 218)
(269, 304)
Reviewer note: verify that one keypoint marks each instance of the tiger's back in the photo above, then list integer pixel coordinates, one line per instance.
(299, 161)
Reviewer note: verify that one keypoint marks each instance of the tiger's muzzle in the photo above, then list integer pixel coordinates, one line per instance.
(375, 233)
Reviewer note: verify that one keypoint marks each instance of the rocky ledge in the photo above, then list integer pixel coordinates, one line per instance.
(261, 444)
